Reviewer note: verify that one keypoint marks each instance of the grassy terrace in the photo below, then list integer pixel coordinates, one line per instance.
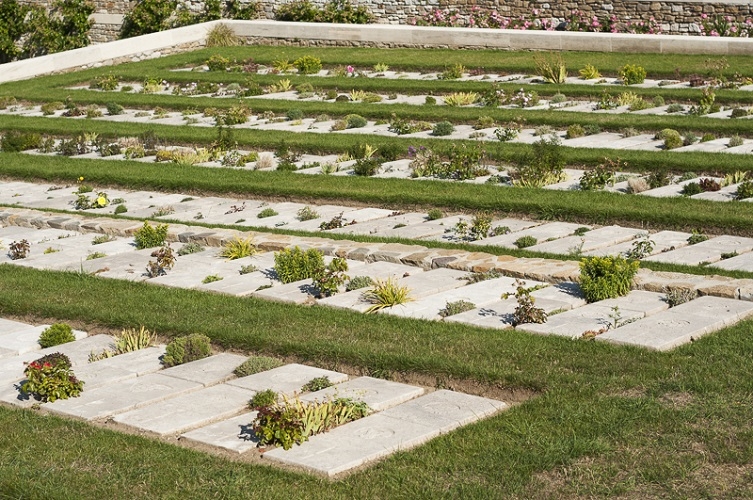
(603, 420)
(594, 420)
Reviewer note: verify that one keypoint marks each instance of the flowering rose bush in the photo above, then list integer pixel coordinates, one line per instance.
(50, 378)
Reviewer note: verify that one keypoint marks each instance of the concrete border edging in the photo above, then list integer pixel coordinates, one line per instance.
(381, 35)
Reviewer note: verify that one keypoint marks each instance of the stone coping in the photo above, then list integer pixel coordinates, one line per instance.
(383, 35)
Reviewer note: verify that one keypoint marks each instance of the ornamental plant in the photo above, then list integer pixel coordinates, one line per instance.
(606, 277)
(149, 237)
(329, 279)
(50, 378)
(59, 333)
(187, 348)
(632, 74)
(308, 65)
(294, 264)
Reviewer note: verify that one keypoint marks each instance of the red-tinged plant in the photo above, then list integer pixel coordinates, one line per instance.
(50, 378)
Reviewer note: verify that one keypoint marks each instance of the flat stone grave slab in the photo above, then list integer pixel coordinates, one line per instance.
(121, 367)
(376, 436)
(600, 315)
(426, 230)
(33, 236)
(541, 232)
(381, 226)
(742, 262)
(667, 191)
(9, 326)
(103, 402)
(479, 294)
(591, 240)
(378, 394)
(286, 380)
(706, 251)
(233, 434)
(27, 340)
(681, 324)
(208, 371)
(663, 241)
(188, 411)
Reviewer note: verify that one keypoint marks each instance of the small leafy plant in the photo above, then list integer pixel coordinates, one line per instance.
(211, 278)
(358, 282)
(148, 236)
(606, 277)
(632, 74)
(294, 264)
(238, 248)
(696, 237)
(676, 296)
(262, 399)
(164, 261)
(525, 241)
(186, 349)
(457, 307)
(307, 213)
(316, 384)
(642, 247)
(56, 334)
(526, 311)
(267, 212)
(50, 378)
(328, 279)
(256, 364)
(386, 293)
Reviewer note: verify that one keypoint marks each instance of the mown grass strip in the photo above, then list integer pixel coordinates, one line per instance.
(594, 207)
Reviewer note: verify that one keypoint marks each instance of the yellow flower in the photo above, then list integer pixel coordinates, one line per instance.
(101, 201)
(80, 179)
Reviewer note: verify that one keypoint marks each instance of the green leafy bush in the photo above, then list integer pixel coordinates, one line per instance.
(316, 384)
(434, 214)
(237, 248)
(525, 241)
(526, 310)
(457, 307)
(672, 138)
(147, 16)
(50, 378)
(696, 237)
(294, 264)
(744, 190)
(606, 277)
(386, 293)
(59, 333)
(148, 236)
(308, 65)
(358, 282)
(355, 121)
(267, 212)
(328, 279)
(632, 74)
(443, 128)
(334, 11)
(262, 399)
(186, 349)
(366, 167)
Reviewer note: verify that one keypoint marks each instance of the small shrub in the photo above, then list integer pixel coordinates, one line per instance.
(120, 209)
(558, 99)
(294, 114)
(691, 189)
(589, 72)
(434, 214)
(308, 65)
(49, 108)
(552, 70)
(452, 72)
(638, 185)
(355, 121)
(19, 250)
(164, 261)
(316, 384)
(642, 247)
(672, 138)
(211, 278)
(307, 213)
(744, 191)
(484, 122)
(367, 167)
(267, 212)
(358, 282)
(217, 62)
(386, 293)
(675, 108)
(430, 100)
(59, 333)
(632, 74)
(574, 131)
(526, 311)
(238, 248)
(222, 35)
(148, 236)
(190, 248)
(739, 113)
(676, 296)
(457, 307)
(50, 378)
(328, 279)
(525, 241)
(735, 141)
(263, 399)
(294, 264)
(606, 277)
(186, 349)
(658, 178)
(256, 364)
(442, 129)
(696, 237)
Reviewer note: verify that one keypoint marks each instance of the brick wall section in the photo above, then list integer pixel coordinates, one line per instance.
(676, 17)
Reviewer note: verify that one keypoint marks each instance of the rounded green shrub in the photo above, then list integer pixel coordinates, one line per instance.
(672, 138)
(442, 129)
(307, 65)
(187, 348)
(606, 277)
(59, 333)
(355, 121)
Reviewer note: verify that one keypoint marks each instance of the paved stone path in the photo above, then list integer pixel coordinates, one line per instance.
(203, 402)
(435, 277)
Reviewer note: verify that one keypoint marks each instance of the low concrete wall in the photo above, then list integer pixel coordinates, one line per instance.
(375, 35)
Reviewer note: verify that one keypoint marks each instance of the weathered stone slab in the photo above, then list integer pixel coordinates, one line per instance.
(378, 394)
(543, 232)
(78, 351)
(663, 241)
(188, 411)
(287, 380)
(399, 428)
(233, 434)
(742, 262)
(27, 340)
(707, 251)
(605, 314)
(103, 402)
(681, 324)
(592, 240)
(208, 371)
(121, 367)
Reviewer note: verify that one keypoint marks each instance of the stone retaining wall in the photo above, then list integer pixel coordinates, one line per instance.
(675, 16)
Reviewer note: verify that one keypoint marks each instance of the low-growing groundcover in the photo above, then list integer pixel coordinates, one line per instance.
(603, 420)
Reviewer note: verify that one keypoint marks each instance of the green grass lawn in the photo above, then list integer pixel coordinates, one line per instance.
(601, 420)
